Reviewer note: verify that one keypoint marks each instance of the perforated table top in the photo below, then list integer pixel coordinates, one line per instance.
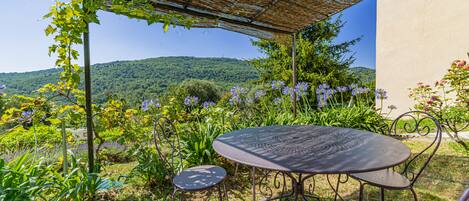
(311, 149)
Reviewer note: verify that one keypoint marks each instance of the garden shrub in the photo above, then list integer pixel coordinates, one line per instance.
(76, 184)
(197, 146)
(150, 167)
(203, 89)
(24, 179)
(20, 138)
(447, 100)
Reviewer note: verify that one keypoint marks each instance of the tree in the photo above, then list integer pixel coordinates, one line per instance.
(203, 89)
(319, 58)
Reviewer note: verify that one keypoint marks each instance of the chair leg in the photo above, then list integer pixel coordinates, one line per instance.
(236, 169)
(414, 193)
(173, 195)
(226, 192)
(362, 190)
(382, 194)
(181, 196)
(220, 194)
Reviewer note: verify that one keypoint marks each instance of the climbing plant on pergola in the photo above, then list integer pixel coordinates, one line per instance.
(268, 19)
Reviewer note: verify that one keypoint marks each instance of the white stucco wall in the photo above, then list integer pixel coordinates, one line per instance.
(416, 41)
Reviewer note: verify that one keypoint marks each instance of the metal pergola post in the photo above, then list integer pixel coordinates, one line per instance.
(88, 105)
(293, 64)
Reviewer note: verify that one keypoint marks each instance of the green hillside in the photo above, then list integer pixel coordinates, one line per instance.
(135, 79)
(149, 78)
(364, 74)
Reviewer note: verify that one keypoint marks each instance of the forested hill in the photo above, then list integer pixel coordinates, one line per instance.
(149, 77)
(135, 79)
(364, 74)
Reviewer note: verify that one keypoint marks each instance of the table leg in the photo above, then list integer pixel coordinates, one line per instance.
(298, 191)
(253, 184)
(336, 189)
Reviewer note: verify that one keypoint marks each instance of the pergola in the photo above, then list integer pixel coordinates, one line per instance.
(268, 19)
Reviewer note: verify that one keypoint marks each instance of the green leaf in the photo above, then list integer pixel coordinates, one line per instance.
(49, 30)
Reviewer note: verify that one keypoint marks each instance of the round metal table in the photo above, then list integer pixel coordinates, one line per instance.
(311, 150)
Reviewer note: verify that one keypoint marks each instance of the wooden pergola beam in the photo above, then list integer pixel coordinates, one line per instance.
(206, 15)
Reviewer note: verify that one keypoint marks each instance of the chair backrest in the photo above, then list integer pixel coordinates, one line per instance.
(464, 196)
(417, 124)
(167, 144)
(246, 116)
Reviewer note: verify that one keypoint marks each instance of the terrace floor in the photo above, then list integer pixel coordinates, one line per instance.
(445, 179)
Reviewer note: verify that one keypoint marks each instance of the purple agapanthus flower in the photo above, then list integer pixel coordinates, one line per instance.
(26, 115)
(235, 100)
(323, 93)
(278, 85)
(289, 91)
(301, 89)
(208, 104)
(43, 118)
(321, 88)
(342, 89)
(381, 94)
(146, 105)
(191, 101)
(237, 91)
(259, 94)
(360, 90)
(277, 100)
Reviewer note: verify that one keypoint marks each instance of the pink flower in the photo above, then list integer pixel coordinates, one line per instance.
(459, 63)
(440, 82)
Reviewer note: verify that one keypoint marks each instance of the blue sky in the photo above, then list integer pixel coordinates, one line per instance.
(23, 45)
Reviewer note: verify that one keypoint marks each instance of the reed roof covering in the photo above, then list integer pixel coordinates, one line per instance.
(259, 18)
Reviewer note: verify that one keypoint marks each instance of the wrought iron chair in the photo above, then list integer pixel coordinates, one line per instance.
(464, 196)
(415, 124)
(194, 179)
